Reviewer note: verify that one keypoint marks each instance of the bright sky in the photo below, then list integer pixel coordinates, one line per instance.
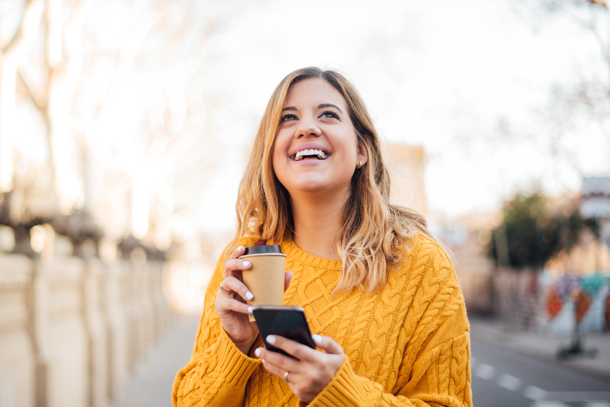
(433, 73)
(436, 73)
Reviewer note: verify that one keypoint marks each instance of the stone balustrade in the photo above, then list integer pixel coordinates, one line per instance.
(71, 330)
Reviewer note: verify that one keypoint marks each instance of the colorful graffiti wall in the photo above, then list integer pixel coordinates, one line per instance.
(574, 300)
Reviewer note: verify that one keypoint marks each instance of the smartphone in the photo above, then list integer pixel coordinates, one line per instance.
(288, 322)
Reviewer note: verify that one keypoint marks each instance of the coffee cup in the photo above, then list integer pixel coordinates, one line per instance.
(265, 279)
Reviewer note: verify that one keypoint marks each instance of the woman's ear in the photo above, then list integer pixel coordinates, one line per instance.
(363, 155)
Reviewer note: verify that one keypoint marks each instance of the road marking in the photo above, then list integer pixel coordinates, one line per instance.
(542, 397)
(575, 396)
(534, 393)
(485, 371)
(509, 382)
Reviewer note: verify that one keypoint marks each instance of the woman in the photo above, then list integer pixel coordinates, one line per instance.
(380, 295)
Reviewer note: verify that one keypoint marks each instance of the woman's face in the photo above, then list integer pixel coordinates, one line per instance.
(316, 149)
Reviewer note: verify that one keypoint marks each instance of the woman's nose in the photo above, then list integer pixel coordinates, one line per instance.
(308, 127)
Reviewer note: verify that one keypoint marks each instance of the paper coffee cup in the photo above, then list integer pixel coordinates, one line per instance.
(265, 279)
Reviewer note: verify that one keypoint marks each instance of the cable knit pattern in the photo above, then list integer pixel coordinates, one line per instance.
(405, 345)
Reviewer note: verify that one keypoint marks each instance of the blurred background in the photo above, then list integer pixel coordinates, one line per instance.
(125, 127)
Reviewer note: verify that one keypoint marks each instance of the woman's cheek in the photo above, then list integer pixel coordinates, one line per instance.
(275, 160)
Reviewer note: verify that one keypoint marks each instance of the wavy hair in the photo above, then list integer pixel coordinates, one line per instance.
(374, 233)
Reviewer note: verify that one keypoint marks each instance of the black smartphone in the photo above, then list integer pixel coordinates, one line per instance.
(288, 322)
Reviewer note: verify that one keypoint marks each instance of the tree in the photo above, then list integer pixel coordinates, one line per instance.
(531, 232)
(11, 55)
(588, 95)
(83, 86)
(592, 15)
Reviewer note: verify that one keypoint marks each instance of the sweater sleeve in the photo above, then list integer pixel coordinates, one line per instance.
(435, 365)
(218, 371)
(444, 381)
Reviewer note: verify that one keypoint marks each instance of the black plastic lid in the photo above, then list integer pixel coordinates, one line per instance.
(263, 249)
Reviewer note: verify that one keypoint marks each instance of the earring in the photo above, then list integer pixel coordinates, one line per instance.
(359, 164)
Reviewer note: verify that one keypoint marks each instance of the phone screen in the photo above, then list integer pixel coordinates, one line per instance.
(288, 322)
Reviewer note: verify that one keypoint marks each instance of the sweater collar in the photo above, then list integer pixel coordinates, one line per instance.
(290, 248)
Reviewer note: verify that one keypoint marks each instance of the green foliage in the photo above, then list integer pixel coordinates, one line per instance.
(533, 234)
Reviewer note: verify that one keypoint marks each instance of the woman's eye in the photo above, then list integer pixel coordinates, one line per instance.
(288, 117)
(330, 114)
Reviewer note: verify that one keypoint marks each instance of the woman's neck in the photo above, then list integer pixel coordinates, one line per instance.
(317, 223)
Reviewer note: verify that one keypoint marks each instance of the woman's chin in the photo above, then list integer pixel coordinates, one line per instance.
(315, 187)
(309, 188)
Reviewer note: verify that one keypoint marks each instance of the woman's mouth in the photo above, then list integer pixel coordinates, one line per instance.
(311, 154)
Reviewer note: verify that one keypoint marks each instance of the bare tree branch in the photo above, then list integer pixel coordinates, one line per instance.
(53, 36)
(74, 48)
(603, 43)
(27, 29)
(601, 3)
(122, 73)
(38, 94)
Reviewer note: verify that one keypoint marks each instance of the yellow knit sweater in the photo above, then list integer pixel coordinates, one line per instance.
(405, 345)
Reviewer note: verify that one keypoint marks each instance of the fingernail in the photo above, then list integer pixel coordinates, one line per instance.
(271, 339)
(249, 296)
(249, 310)
(317, 338)
(257, 352)
(246, 263)
(240, 248)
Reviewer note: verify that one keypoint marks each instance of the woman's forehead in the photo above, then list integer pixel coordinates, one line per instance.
(314, 91)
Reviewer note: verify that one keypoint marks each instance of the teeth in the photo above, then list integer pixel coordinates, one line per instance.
(299, 156)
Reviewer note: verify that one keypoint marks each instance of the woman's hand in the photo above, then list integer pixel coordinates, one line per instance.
(311, 374)
(231, 300)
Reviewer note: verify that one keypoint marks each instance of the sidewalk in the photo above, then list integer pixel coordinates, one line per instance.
(150, 385)
(545, 347)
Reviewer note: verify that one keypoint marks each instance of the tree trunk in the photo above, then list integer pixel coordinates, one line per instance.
(8, 75)
(10, 57)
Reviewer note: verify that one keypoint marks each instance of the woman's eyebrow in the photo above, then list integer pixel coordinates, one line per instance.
(323, 105)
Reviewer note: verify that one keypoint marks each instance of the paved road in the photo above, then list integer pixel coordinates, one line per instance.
(501, 378)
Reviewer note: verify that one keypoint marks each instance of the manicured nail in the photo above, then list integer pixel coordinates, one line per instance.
(271, 339)
(250, 310)
(249, 296)
(317, 339)
(257, 352)
(246, 263)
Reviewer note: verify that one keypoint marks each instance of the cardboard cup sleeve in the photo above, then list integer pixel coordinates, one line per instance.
(265, 279)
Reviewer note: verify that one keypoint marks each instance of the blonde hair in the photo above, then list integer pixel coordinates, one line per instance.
(374, 233)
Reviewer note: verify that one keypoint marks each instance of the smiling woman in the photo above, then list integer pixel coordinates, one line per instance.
(379, 293)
